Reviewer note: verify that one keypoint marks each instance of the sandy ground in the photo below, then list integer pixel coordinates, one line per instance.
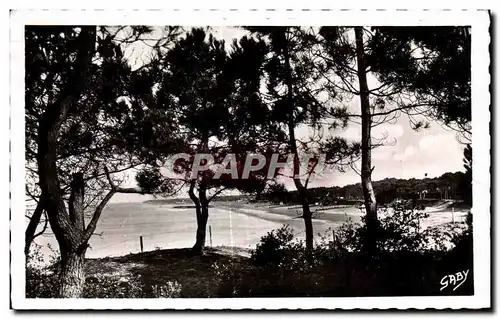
(231, 225)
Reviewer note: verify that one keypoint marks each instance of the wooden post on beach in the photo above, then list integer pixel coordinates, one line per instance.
(142, 246)
(210, 231)
(453, 215)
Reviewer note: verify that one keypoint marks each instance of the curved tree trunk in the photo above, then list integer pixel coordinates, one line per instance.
(70, 238)
(366, 168)
(201, 231)
(201, 206)
(201, 220)
(68, 228)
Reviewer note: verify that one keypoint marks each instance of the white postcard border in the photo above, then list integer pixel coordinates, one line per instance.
(479, 20)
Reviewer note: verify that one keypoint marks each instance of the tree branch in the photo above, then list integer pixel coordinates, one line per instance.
(97, 214)
(192, 195)
(216, 193)
(310, 174)
(46, 221)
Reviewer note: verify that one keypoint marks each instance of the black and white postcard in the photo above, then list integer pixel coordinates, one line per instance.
(250, 159)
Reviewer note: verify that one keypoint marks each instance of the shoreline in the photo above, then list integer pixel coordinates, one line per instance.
(232, 224)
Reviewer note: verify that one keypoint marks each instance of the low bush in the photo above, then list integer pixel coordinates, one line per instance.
(398, 229)
(411, 260)
(101, 286)
(279, 248)
(42, 280)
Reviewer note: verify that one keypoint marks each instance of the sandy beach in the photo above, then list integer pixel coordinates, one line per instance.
(230, 224)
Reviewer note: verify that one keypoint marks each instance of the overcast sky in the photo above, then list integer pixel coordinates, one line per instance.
(431, 151)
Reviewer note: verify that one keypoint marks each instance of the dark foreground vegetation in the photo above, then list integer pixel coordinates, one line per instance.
(409, 262)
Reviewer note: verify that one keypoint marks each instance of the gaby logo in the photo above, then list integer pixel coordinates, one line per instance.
(455, 280)
(238, 169)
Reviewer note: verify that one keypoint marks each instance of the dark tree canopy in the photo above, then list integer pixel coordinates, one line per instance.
(432, 62)
(82, 104)
(213, 96)
(422, 70)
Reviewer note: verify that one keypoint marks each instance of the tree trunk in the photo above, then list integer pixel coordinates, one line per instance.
(201, 203)
(73, 258)
(308, 227)
(366, 168)
(201, 230)
(70, 238)
(201, 220)
(301, 189)
(76, 206)
(72, 275)
(201, 206)
(68, 229)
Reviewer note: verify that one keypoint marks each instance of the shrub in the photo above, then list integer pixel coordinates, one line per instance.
(411, 260)
(242, 279)
(405, 264)
(398, 229)
(41, 284)
(101, 286)
(346, 239)
(42, 280)
(234, 279)
(463, 241)
(278, 248)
